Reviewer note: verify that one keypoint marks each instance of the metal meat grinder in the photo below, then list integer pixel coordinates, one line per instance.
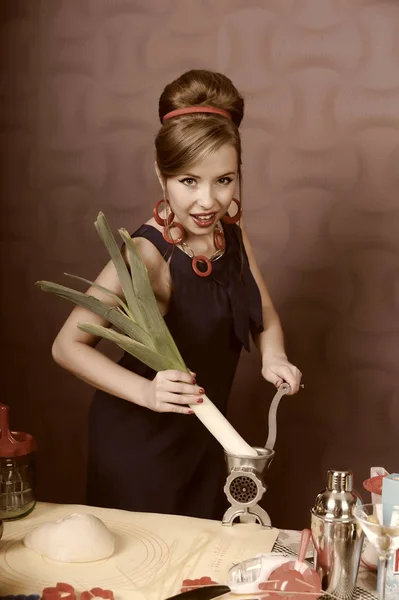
(245, 486)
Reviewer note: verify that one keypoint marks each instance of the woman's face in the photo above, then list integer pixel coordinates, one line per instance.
(200, 196)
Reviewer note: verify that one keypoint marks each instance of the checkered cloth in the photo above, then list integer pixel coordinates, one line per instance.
(358, 594)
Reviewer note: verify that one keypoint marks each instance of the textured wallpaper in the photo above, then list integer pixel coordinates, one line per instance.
(80, 81)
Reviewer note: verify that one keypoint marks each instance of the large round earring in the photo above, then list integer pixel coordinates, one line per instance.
(164, 222)
(167, 224)
(231, 220)
(167, 236)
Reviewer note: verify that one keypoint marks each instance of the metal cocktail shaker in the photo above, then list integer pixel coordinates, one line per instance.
(337, 538)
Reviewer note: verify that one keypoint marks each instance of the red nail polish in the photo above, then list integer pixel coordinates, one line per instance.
(190, 412)
(200, 400)
(201, 391)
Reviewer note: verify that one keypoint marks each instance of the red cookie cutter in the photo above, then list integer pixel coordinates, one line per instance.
(193, 584)
(62, 591)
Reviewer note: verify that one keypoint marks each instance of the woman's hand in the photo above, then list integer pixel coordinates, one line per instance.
(277, 369)
(171, 391)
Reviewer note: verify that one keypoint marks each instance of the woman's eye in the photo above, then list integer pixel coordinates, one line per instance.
(187, 181)
(225, 180)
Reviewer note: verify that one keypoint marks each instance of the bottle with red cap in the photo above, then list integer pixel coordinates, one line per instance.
(17, 470)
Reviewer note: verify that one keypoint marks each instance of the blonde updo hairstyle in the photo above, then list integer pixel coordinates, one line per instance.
(187, 139)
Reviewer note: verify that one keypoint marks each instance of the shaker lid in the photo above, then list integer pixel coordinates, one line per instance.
(339, 481)
(15, 443)
(337, 501)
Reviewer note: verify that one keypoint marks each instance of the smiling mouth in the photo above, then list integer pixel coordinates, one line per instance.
(204, 219)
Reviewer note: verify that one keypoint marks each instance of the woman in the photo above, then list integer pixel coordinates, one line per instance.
(145, 452)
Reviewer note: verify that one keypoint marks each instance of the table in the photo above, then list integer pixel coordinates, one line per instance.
(153, 554)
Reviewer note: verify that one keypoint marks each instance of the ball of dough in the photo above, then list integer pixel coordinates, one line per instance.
(78, 538)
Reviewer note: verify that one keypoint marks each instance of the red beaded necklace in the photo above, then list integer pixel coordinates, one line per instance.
(219, 241)
(196, 260)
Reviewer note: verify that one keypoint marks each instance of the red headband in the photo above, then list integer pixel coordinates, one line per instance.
(196, 109)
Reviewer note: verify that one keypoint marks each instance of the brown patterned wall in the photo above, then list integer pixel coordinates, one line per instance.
(79, 87)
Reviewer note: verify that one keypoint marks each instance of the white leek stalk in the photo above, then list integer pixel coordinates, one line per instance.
(221, 429)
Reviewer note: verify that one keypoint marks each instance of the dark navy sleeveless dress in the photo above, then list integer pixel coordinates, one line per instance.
(145, 461)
